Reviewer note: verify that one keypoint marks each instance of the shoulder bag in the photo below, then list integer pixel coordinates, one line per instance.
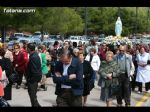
(14, 76)
(4, 79)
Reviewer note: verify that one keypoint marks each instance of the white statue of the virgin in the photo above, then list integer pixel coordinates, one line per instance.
(118, 27)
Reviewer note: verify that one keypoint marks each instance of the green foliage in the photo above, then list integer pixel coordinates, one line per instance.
(66, 20)
(58, 20)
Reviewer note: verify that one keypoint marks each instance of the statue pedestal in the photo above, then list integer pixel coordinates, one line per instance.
(117, 40)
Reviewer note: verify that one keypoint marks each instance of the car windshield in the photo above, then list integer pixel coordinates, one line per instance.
(37, 34)
(53, 37)
(15, 38)
(23, 41)
(18, 35)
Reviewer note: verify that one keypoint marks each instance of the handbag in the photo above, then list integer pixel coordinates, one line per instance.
(115, 89)
(4, 80)
(3, 102)
(14, 76)
(91, 82)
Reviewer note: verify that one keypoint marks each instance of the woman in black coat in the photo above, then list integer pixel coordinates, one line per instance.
(87, 77)
(6, 65)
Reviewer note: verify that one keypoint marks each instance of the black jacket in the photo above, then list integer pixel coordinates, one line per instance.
(87, 71)
(77, 84)
(88, 77)
(34, 72)
(6, 65)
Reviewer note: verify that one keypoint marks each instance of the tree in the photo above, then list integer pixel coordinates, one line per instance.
(65, 20)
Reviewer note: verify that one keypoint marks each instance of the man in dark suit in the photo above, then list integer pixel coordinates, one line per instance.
(68, 77)
(34, 74)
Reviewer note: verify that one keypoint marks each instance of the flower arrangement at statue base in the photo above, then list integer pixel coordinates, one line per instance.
(117, 40)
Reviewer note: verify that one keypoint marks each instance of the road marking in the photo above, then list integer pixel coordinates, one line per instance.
(142, 100)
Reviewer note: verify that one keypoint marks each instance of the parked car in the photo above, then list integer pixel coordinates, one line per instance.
(48, 42)
(145, 41)
(22, 40)
(77, 39)
(102, 36)
(15, 38)
(18, 34)
(39, 34)
(11, 43)
(100, 41)
(27, 36)
(36, 41)
(56, 37)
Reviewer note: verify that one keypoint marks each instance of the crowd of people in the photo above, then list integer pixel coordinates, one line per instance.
(76, 69)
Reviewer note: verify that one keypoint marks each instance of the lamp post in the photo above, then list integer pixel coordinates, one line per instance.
(136, 19)
(42, 33)
(3, 34)
(147, 19)
(85, 29)
(118, 11)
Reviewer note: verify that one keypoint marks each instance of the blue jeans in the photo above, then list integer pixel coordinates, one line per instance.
(94, 75)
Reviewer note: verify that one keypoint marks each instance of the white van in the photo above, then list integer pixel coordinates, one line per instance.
(77, 39)
(39, 34)
(18, 34)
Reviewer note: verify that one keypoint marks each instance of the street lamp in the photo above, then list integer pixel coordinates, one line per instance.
(42, 33)
(118, 11)
(147, 18)
(3, 34)
(85, 29)
(136, 19)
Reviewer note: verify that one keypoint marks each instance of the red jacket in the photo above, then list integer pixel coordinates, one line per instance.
(102, 54)
(25, 57)
(21, 61)
(1, 86)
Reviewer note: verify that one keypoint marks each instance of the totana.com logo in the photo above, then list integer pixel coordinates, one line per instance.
(23, 10)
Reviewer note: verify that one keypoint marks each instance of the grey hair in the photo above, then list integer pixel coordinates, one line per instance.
(75, 50)
(110, 52)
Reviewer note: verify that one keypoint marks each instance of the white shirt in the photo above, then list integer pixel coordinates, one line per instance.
(95, 63)
(65, 70)
(40, 58)
(143, 58)
(143, 73)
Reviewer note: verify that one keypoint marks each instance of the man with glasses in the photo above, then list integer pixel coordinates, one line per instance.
(124, 60)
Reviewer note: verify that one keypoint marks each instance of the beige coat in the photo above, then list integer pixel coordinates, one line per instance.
(9, 55)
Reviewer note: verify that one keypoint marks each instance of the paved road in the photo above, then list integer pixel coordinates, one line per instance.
(20, 97)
